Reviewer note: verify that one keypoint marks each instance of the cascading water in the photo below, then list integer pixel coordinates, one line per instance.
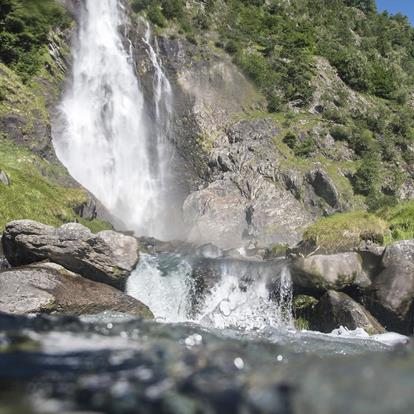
(240, 295)
(105, 141)
(103, 135)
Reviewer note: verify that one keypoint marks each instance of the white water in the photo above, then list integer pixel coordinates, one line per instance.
(103, 137)
(166, 285)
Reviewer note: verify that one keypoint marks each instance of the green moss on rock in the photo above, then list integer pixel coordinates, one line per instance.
(345, 231)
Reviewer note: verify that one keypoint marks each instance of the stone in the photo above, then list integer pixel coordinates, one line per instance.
(107, 257)
(324, 187)
(4, 179)
(324, 272)
(336, 309)
(392, 300)
(50, 288)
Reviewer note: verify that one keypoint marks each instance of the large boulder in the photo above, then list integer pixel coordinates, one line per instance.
(324, 272)
(50, 288)
(336, 309)
(107, 257)
(392, 300)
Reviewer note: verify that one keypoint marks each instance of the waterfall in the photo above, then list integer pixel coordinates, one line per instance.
(103, 134)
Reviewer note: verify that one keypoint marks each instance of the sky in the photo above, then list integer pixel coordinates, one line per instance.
(394, 6)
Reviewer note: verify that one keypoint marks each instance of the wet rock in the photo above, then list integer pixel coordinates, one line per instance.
(4, 179)
(50, 288)
(392, 299)
(336, 309)
(324, 272)
(107, 257)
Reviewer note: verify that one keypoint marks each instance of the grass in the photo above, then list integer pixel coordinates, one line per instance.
(345, 231)
(31, 195)
(400, 219)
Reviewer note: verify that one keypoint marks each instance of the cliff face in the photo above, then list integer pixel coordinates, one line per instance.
(244, 185)
(255, 177)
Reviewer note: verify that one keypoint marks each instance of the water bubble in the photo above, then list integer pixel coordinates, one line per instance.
(279, 358)
(193, 340)
(238, 363)
(109, 325)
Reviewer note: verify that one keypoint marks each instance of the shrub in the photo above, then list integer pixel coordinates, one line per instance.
(155, 15)
(401, 221)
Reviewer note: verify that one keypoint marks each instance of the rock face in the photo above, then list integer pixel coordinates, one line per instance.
(393, 288)
(50, 288)
(337, 309)
(324, 272)
(107, 257)
(244, 202)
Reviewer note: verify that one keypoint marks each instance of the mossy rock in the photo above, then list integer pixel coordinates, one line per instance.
(346, 231)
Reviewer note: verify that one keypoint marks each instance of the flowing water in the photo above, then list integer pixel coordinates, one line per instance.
(224, 339)
(103, 134)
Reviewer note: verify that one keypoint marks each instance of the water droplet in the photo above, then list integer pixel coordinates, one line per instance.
(279, 358)
(238, 363)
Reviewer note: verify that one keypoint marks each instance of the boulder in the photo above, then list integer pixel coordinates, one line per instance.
(4, 179)
(50, 288)
(392, 300)
(336, 309)
(324, 272)
(107, 257)
(324, 187)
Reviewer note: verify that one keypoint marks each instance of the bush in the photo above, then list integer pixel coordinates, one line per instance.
(156, 16)
(24, 28)
(401, 221)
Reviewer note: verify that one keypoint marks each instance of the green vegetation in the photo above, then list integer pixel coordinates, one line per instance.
(24, 30)
(31, 195)
(303, 306)
(282, 46)
(345, 231)
(400, 220)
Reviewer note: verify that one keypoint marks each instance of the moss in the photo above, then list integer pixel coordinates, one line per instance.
(346, 231)
(303, 306)
(302, 324)
(302, 302)
(400, 219)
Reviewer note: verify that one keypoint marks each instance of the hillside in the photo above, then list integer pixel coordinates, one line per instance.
(327, 86)
(338, 81)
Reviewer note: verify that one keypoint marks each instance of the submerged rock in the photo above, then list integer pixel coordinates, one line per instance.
(323, 272)
(50, 288)
(337, 309)
(392, 299)
(107, 257)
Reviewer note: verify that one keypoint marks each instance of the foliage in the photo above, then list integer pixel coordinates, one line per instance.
(346, 231)
(401, 221)
(24, 29)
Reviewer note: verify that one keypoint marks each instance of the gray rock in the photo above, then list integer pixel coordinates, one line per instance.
(107, 257)
(324, 187)
(324, 272)
(4, 179)
(392, 300)
(336, 309)
(50, 288)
